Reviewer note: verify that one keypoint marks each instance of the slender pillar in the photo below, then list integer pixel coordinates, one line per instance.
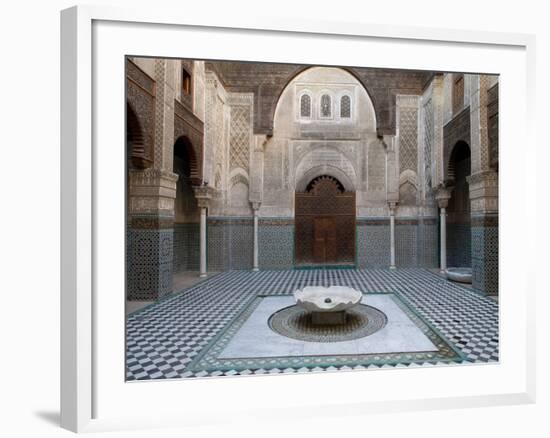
(392, 235)
(443, 237)
(255, 263)
(203, 243)
(203, 194)
(442, 196)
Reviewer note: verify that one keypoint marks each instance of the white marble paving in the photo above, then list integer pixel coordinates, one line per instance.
(256, 339)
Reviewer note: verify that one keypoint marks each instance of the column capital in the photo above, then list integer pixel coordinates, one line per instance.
(393, 207)
(442, 195)
(203, 194)
(255, 205)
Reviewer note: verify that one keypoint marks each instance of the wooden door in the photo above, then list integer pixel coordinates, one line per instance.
(324, 240)
(325, 224)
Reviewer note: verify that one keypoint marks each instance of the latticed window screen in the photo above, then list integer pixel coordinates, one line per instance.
(345, 107)
(325, 106)
(305, 106)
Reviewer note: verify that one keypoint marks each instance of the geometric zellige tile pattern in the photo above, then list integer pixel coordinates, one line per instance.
(459, 245)
(164, 338)
(230, 245)
(373, 246)
(406, 246)
(149, 263)
(186, 247)
(276, 246)
(485, 259)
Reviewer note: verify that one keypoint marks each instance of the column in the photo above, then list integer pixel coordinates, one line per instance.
(255, 263)
(443, 238)
(442, 196)
(203, 194)
(392, 235)
(203, 243)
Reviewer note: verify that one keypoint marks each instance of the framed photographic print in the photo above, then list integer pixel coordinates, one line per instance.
(324, 226)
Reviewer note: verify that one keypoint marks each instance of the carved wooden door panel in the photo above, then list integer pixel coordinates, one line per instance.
(319, 244)
(331, 250)
(324, 240)
(325, 224)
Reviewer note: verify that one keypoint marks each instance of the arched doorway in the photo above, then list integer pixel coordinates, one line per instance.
(186, 212)
(325, 223)
(459, 238)
(136, 149)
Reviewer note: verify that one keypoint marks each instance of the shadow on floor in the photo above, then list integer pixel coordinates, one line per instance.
(51, 417)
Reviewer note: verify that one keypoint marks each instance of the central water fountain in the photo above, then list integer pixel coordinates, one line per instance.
(328, 305)
(327, 314)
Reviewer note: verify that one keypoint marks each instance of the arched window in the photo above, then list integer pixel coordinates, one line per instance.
(305, 106)
(326, 108)
(345, 107)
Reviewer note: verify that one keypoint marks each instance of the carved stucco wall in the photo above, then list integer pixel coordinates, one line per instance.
(240, 150)
(407, 140)
(229, 144)
(303, 148)
(268, 80)
(427, 145)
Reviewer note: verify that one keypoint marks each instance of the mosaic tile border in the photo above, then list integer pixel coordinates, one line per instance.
(208, 361)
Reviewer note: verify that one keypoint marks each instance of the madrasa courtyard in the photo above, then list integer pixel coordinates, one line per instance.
(249, 183)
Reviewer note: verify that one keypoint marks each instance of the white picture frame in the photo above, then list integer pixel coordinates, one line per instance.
(94, 396)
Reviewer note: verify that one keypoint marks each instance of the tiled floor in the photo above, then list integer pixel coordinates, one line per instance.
(181, 280)
(181, 336)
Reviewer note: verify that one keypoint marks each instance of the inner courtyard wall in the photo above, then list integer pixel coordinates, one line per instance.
(251, 174)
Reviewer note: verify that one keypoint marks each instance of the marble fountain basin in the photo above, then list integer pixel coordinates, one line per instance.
(461, 275)
(327, 305)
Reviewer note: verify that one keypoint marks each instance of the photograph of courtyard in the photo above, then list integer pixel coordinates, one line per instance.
(286, 218)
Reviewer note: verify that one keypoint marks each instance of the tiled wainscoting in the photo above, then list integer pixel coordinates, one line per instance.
(485, 253)
(230, 243)
(276, 243)
(149, 263)
(459, 247)
(186, 247)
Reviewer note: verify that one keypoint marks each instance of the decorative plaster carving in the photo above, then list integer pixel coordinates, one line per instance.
(442, 196)
(240, 138)
(204, 194)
